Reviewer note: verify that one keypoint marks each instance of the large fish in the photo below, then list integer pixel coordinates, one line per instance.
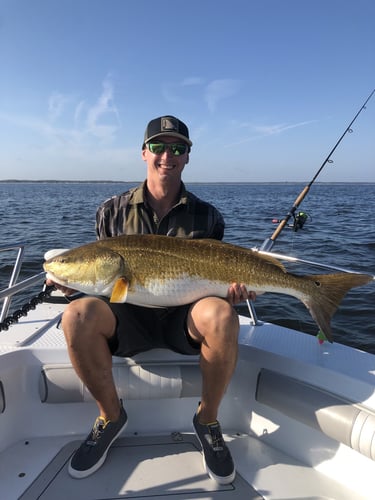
(160, 271)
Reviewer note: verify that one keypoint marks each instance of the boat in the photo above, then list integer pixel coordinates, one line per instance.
(298, 416)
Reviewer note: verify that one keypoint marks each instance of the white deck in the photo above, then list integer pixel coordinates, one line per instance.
(277, 457)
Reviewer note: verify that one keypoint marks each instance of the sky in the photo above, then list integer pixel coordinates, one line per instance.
(266, 87)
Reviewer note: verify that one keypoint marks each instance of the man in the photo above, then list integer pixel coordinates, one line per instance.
(96, 329)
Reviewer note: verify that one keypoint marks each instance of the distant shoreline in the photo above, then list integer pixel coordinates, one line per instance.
(52, 181)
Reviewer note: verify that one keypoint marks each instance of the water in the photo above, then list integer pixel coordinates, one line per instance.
(340, 231)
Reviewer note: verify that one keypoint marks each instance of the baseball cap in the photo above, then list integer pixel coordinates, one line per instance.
(167, 125)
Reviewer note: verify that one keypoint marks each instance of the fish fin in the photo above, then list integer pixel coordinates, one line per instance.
(270, 260)
(120, 291)
(332, 289)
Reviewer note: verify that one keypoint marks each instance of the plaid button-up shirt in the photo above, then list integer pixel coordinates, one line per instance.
(129, 213)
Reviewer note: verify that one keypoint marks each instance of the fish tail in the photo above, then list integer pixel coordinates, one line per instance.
(331, 289)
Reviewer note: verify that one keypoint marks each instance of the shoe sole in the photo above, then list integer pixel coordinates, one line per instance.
(81, 474)
(219, 479)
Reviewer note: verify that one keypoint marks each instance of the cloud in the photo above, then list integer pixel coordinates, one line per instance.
(56, 104)
(104, 108)
(265, 130)
(73, 123)
(176, 92)
(218, 90)
(212, 93)
(79, 110)
(192, 80)
(41, 127)
(260, 131)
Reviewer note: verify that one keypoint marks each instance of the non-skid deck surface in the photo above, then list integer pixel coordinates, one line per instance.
(139, 467)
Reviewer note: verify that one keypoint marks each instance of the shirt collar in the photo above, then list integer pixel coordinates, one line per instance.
(139, 195)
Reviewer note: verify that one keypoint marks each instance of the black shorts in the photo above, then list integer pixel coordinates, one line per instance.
(140, 329)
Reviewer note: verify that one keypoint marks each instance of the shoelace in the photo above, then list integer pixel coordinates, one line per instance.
(215, 438)
(98, 429)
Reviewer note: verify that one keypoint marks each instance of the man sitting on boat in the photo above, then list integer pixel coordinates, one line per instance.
(96, 329)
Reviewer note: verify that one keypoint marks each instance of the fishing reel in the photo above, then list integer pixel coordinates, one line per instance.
(299, 220)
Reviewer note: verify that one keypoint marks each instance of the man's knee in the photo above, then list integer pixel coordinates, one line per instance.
(88, 315)
(214, 316)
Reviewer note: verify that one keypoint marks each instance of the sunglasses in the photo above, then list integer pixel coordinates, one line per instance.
(158, 148)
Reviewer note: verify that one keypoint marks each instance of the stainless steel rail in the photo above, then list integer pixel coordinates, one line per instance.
(288, 258)
(14, 288)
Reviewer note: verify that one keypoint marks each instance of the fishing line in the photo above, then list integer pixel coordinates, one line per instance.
(269, 242)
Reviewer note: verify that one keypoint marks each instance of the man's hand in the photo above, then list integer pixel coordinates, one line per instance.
(237, 293)
(63, 289)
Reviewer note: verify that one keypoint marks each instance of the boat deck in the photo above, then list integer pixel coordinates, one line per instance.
(139, 467)
(278, 454)
(146, 467)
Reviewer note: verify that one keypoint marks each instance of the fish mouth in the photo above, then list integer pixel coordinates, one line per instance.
(52, 277)
(100, 287)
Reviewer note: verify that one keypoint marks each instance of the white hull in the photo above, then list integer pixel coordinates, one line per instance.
(299, 419)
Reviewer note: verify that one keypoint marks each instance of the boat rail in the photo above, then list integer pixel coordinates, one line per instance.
(289, 258)
(14, 287)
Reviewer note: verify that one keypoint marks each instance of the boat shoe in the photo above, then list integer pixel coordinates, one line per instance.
(217, 459)
(92, 453)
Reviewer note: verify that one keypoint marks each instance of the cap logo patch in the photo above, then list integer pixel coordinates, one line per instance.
(168, 125)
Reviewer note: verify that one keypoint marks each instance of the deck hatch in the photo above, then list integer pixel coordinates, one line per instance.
(139, 468)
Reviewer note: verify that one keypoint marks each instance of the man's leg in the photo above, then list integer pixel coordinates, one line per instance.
(214, 323)
(88, 324)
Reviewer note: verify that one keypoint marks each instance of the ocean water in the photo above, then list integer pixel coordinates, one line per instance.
(340, 231)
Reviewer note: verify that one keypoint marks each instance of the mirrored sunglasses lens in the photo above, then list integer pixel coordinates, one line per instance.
(178, 149)
(156, 148)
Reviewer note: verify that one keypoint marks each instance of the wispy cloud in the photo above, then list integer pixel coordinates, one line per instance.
(217, 90)
(264, 130)
(104, 108)
(175, 92)
(192, 80)
(56, 104)
(36, 125)
(78, 112)
(211, 92)
(259, 131)
(72, 122)
(170, 93)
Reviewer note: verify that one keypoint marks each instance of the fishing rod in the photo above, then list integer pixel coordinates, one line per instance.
(269, 242)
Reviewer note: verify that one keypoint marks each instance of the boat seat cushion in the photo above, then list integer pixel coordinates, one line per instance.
(150, 379)
(345, 421)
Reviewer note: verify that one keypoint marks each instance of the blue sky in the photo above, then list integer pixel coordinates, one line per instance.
(265, 86)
